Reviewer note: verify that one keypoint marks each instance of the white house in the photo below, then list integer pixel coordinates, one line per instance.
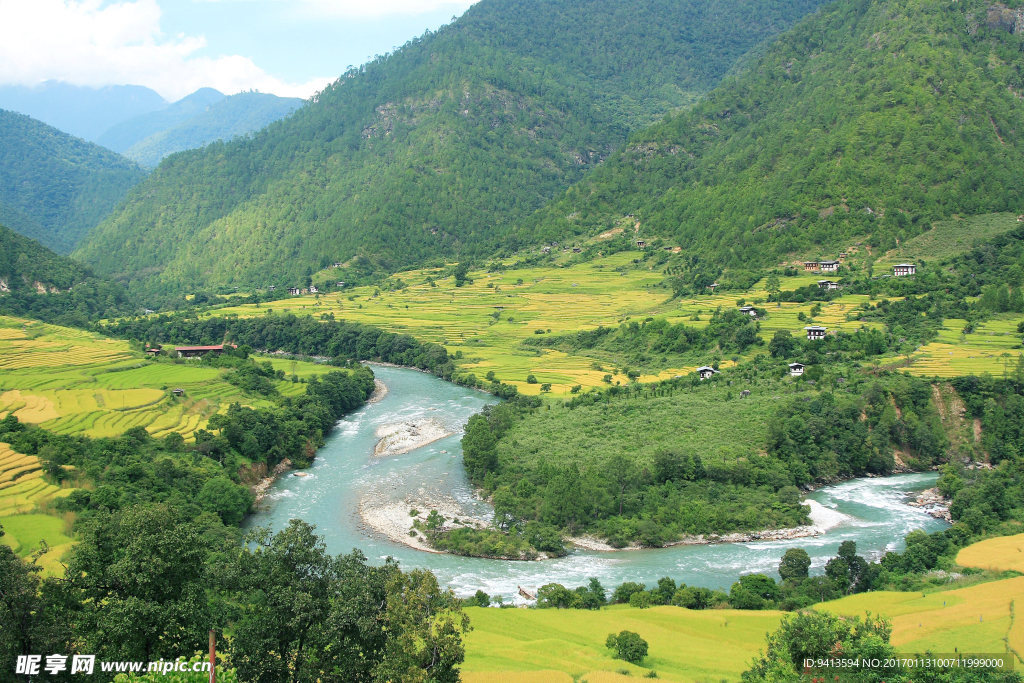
(904, 269)
(706, 371)
(749, 310)
(828, 284)
(313, 289)
(294, 291)
(271, 288)
(815, 332)
(829, 266)
(796, 369)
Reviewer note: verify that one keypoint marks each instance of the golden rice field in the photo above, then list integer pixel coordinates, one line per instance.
(75, 382)
(999, 554)
(24, 492)
(607, 291)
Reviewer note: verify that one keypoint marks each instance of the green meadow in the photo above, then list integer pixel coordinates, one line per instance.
(529, 645)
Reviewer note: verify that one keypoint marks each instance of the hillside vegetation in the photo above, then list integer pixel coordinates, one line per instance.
(868, 118)
(38, 283)
(203, 117)
(59, 186)
(433, 151)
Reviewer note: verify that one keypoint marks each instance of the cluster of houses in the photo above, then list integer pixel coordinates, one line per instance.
(822, 266)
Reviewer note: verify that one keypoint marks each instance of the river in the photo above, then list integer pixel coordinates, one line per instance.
(346, 474)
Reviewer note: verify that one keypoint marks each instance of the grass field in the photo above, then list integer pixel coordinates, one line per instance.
(685, 645)
(528, 646)
(949, 238)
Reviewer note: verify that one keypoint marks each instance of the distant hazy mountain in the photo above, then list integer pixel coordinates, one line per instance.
(122, 136)
(55, 187)
(222, 119)
(82, 111)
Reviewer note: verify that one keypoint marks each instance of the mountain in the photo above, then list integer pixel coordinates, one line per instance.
(434, 151)
(56, 187)
(37, 283)
(224, 119)
(122, 136)
(867, 121)
(82, 111)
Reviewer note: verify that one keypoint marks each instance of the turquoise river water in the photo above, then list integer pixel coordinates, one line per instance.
(346, 475)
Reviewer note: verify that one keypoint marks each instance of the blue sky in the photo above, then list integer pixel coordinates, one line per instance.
(287, 47)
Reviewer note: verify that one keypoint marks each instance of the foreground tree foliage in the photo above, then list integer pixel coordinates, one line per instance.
(145, 584)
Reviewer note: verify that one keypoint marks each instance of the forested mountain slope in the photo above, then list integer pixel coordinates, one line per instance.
(435, 150)
(56, 187)
(224, 119)
(37, 283)
(123, 135)
(870, 117)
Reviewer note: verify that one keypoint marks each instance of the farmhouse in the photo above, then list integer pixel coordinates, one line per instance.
(796, 369)
(294, 291)
(640, 244)
(749, 310)
(828, 284)
(271, 288)
(193, 351)
(341, 284)
(904, 269)
(577, 250)
(712, 286)
(810, 265)
(337, 264)
(313, 289)
(706, 371)
(815, 332)
(842, 256)
(546, 250)
(829, 266)
(178, 392)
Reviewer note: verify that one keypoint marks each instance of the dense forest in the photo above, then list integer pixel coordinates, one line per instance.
(433, 151)
(37, 283)
(57, 186)
(863, 120)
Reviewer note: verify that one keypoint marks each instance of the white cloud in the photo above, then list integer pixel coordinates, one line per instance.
(87, 43)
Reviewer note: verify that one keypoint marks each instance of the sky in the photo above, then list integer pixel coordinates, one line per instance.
(286, 47)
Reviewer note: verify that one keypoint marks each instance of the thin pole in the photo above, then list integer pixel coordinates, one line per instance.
(213, 656)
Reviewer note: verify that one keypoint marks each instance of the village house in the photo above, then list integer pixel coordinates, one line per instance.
(796, 369)
(178, 392)
(829, 266)
(546, 250)
(712, 286)
(271, 288)
(842, 256)
(749, 310)
(341, 284)
(337, 264)
(577, 250)
(640, 244)
(810, 265)
(706, 371)
(901, 269)
(815, 332)
(828, 284)
(313, 289)
(194, 351)
(294, 291)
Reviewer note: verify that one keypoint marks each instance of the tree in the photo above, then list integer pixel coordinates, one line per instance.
(139, 576)
(626, 590)
(461, 270)
(229, 500)
(622, 472)
(782, 345)
(555, 595)
(628, 646)
(772, 285)
(794, 565)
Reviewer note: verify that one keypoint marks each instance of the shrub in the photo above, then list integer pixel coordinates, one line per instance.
(623, 592)
(628, 646)
(530, 379)
(641, 600)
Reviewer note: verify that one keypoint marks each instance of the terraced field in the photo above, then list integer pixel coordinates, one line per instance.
(74, 382)
(489, 319)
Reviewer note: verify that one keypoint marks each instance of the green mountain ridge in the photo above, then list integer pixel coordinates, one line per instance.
(54, 186)
(37, 283)
(432, 152)
(868, 118)
(122, 136)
